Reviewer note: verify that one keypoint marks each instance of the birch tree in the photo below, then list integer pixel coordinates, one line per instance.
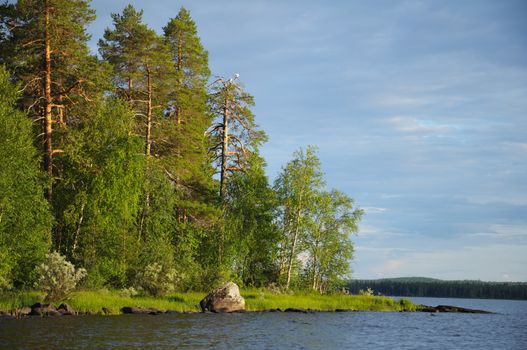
(297, 187)
(327, 241)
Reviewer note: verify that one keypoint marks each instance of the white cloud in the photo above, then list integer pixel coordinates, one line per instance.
(418, 126)
(374, 210)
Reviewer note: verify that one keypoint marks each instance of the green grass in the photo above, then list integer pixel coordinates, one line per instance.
(256, 300)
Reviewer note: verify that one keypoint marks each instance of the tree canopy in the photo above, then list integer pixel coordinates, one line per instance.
(144, 170)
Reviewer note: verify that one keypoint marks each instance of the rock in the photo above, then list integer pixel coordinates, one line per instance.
(6, 316)
(448, 308)
(140, 310)
(23, 311)
(224, 299)
(451, 309)
(66, 310)
(39, 309)
(296, 309)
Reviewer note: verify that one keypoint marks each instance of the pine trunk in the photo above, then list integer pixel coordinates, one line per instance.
(48, 118)
(225, 146)
(148, 141)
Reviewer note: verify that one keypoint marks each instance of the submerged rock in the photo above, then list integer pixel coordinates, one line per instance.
(224, 299)
(140, 310)
(297, 309)
(452, 309)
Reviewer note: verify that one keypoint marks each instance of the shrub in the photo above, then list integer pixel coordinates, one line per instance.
(156, 280)
(128, 292)
(367, 292)
(57, 276)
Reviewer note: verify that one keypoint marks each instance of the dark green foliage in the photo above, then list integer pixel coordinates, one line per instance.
(184, 145)
(25, 218)
(429, 287)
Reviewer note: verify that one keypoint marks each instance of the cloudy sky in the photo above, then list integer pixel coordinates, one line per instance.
(418, 108)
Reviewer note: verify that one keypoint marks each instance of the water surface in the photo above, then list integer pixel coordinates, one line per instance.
(358, 330)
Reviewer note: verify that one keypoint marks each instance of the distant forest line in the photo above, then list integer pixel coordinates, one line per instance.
(429, 287)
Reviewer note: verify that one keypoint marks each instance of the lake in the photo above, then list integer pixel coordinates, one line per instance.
(358, 330)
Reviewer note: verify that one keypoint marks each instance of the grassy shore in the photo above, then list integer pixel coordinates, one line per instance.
(92, 302)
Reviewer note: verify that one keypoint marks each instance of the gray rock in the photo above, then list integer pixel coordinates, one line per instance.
(23, 311)
(224, 299)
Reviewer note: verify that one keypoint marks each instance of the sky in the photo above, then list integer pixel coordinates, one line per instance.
(418, 110)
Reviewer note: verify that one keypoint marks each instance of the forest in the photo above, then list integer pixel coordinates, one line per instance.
(430, 287)
(139, 161)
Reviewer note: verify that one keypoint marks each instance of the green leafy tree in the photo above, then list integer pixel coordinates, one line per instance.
(252, 234)
(144, 72)
(297, 187)
(104, 175)
(25, 217)
(327, 241)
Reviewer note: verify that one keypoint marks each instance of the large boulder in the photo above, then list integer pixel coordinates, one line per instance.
(224, 299)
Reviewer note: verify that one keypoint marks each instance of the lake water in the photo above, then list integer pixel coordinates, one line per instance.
(358, 330)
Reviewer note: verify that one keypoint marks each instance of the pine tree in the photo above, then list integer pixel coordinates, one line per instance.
(143, 72)
(184, 145)
(143, 69)
(45, 47)
(235, 134)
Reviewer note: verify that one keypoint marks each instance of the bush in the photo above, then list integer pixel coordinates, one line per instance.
(156, 280)
(128, 292)
(368, 292)
(58, 277)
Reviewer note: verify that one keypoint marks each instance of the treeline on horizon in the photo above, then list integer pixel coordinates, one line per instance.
(139, 160)
(428, 287)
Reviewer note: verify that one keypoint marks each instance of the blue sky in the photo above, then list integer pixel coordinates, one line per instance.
(418, 108)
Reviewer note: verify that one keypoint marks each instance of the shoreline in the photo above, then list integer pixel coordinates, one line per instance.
(109, 303)
(106, 302)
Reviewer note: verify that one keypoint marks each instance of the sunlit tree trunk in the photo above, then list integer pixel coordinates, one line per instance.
(48, 103)
(225, 147)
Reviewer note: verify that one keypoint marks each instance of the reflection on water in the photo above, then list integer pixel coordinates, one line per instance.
(359, 330)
